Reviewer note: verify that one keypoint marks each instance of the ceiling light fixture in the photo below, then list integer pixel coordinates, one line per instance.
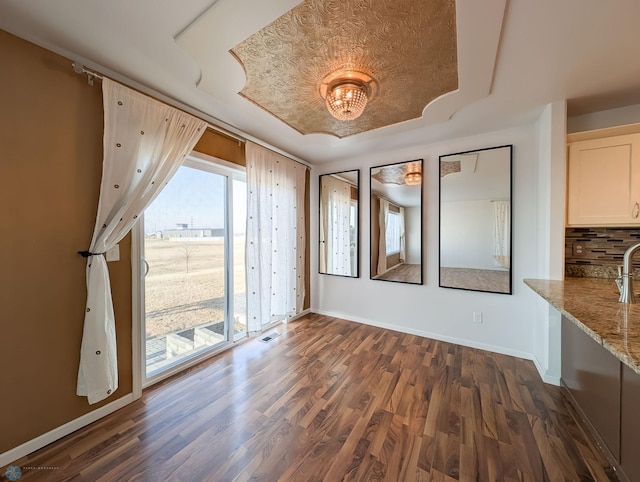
(413, 175)
(413, 179)
(347, 93)
(347, 99)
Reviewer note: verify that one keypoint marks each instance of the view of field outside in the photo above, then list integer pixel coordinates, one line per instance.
(185, 283)
(185, 254)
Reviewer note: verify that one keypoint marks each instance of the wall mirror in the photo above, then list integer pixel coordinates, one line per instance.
(475, 220)
(339, 215)
(396, 222)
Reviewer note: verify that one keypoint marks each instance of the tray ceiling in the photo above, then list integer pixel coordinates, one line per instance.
(513, 58)
(407, 46)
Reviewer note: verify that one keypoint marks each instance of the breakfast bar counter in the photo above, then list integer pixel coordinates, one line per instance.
(592, 305)
(600, 358)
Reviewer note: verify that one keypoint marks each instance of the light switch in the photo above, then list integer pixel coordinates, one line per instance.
(113, 254)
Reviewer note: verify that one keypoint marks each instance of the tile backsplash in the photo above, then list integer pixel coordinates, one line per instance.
(597, 252)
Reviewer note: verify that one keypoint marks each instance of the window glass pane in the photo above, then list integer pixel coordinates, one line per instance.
(184, 248)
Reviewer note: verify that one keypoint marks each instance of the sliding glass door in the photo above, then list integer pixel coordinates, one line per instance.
(193, 284)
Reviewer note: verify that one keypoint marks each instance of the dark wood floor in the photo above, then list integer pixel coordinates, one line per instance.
(334, 400)
(406, 273)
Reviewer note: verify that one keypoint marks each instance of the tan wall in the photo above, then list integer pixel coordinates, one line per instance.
(393, 259)
(222, 147)
(50, 169)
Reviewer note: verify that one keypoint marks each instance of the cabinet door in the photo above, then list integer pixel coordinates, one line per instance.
(604, 182)
(630, 434)
(592, 376)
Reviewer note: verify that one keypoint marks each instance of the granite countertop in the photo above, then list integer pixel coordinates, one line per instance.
(592, 304)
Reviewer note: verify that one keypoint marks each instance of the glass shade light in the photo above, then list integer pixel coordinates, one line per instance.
(346, 99)
(413, 179)
(413, 175)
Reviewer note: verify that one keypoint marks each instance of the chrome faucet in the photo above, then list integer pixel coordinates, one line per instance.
(626, 293)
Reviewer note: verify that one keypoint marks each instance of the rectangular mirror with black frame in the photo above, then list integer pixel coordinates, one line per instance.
(475, 220)
(339, 220)
(396, 222)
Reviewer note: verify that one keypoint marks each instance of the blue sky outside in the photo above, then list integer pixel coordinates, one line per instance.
(196, 198)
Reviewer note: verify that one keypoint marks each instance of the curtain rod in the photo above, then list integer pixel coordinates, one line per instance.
(91, 76)
(337, 176)
(388, 200)
(78, 68)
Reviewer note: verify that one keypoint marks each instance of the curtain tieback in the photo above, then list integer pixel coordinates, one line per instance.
(86, 254)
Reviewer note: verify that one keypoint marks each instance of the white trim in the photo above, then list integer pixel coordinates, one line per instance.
(184, 363)
(299, 315)
(205, 162)
(216, 161)
(604, 132)
(435, 336)
(231, 172)
(137, 309)
(63, 430)
(229, 261)
(550, 379)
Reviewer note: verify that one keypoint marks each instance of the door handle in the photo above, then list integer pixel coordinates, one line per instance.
(636, 210)
(146, 268)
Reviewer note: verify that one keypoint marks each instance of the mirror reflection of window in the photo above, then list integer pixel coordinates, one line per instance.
(353, 233)
(502, 233)
(392, 236)
(475, 220)
(396, 222)
(338, 230)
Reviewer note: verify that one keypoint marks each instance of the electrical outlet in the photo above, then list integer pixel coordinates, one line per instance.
(578, 249)
(477, 316)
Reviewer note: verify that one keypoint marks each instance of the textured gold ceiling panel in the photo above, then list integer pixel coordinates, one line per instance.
(395, 173)
(449, 167)
(407, 46)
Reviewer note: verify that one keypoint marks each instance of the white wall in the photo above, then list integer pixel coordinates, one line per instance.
(551, 181)
(428, 310)
(467, 227)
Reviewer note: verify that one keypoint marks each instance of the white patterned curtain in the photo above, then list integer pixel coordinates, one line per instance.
(502, 233)
(275, 237)
(382, 242)
(335, 239)
(403, 238)
(145, 141)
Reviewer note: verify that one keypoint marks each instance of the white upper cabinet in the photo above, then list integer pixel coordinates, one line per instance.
(604, 182)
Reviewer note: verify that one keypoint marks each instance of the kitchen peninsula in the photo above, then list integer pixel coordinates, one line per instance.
(600, 362)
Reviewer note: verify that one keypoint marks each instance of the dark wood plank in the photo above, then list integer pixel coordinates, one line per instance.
(335, 400)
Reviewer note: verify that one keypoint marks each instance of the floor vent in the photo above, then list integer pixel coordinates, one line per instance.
(269, 337)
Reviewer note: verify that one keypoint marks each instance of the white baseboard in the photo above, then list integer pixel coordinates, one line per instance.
(550, 379)
(436, 336)
(299, 315)
(57, 433)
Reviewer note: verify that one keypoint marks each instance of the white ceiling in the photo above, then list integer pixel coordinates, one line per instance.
(585, 51)
(484, 176)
